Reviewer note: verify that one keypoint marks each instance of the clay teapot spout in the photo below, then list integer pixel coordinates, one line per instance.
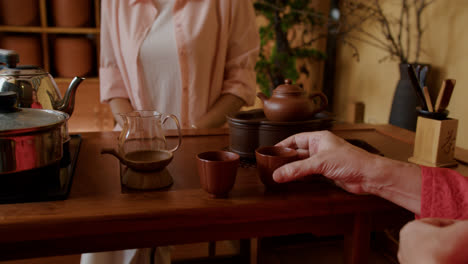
(262, 96)
(67, 104)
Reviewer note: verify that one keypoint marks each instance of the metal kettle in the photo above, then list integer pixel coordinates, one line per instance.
(35, 87)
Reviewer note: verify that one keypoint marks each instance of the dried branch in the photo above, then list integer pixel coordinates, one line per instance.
(408, 34)
(420, 5)
(397, 37)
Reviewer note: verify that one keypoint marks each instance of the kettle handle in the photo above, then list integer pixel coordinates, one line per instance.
(9, 57)
(323, 101)
(165, 117)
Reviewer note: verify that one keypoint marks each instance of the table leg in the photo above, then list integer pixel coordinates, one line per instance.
(357, 241)
(212, 248)
(253, 250)
(245, 251)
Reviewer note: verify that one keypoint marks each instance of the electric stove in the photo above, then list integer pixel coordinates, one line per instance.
(49, 183)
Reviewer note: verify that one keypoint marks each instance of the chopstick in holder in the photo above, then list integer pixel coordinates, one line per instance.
(417, 88)
(427, 96)
(445, 94)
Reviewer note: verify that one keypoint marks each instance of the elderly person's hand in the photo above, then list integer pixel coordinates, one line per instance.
(434, 240)
(352, 168)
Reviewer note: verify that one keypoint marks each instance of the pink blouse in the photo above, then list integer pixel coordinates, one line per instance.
(217, 43)
(444, 193)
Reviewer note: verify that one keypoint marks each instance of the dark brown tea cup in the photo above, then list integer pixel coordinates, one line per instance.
(217, 171)
(269, 158)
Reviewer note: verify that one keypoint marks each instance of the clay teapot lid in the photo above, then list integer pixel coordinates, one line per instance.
(288, 88)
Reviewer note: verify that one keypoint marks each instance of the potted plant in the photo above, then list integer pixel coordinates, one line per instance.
(287, 36)
(399, 34)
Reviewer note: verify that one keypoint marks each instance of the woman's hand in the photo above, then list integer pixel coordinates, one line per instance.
(352, 168)
(226, 104)
(434, 240)
(118, 106)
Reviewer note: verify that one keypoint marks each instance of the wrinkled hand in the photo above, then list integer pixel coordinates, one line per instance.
(434, 240)
(324, 153)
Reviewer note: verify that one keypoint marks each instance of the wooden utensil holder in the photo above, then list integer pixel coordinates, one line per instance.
(434, 144)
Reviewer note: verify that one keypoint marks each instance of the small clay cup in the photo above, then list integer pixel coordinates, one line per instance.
(269, 158)
(217, 171)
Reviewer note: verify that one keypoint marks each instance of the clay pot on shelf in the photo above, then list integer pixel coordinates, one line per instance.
(73, 56)
(19, 12)
(28, 48)
(71, 13)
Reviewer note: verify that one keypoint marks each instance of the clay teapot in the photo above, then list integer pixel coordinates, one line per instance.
(290, 103)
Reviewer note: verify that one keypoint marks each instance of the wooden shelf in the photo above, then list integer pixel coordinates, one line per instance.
(89, 114)
(50, 30)
(48, 33)
(68, 80)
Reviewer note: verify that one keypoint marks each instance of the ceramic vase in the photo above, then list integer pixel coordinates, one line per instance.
(405, 101)
(73, 56)
(19, 12)
(28, 48)
(71, 13)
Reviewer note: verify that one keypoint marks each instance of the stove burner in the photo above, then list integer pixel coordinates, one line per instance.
(49, 183)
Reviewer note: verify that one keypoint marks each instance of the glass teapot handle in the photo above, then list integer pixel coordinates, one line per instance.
(165, 117)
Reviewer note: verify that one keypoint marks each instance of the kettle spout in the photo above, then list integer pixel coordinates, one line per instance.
(262, 96)
(67, 104)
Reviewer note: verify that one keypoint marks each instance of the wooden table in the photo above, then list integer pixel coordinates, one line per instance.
(97, 216)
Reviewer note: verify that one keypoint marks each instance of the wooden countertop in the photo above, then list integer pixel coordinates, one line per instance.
(97, 216)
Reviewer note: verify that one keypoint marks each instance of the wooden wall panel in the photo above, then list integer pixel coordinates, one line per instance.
(89, 113)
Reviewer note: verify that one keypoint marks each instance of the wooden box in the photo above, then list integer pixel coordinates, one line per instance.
(434, 144)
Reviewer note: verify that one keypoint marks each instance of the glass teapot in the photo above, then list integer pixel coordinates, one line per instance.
(143, 132)
(35, 87)
(142, 150)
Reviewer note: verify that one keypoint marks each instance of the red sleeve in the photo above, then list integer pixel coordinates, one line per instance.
(444, 193)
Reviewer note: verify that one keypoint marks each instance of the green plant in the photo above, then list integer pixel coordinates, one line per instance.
(292, 26)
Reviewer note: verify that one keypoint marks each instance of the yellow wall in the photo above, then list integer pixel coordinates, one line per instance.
(445, 46)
